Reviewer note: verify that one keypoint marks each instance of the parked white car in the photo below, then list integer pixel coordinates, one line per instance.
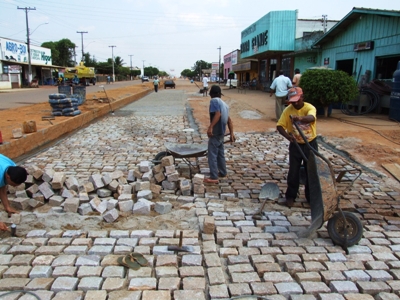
(231, 82)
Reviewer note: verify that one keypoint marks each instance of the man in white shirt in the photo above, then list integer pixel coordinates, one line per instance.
(280, 86)
(205, 85)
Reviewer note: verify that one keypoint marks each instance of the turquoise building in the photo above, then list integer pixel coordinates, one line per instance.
(279, 40)
(365, 40)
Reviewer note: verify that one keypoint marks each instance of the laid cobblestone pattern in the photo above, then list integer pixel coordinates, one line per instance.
(233, 255)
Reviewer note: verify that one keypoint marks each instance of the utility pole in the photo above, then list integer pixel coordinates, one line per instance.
(219, 65)
(143, 68)
(324, 23)
(82, 32)
(28, 42)
(112, 53)
(131, 64)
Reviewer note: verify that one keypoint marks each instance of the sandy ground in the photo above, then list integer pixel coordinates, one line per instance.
(371, 141)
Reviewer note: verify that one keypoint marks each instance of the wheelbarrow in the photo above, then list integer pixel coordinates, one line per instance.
(344, 228)
(182, 151)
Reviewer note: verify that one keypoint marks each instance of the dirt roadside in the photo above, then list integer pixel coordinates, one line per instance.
(371, 140)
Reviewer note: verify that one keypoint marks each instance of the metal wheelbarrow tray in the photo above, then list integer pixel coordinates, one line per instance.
(344, 228)
(184, 152)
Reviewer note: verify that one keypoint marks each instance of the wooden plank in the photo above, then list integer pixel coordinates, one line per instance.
(393, 169)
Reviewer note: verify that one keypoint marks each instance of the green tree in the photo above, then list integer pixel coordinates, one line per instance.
(200, 65)
(104, 67)
(62, 52)
(88, 61)
(187, 73)
(323, 87)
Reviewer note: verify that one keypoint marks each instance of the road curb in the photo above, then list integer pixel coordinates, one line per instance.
(18, 147)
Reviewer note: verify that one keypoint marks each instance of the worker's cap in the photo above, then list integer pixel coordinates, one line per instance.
(294, 94)
(215, 90)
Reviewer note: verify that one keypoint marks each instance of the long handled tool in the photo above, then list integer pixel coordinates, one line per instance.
(269, 191)
(108, 99)
(181, 248)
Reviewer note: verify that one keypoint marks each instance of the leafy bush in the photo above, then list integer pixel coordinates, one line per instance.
(322, 87)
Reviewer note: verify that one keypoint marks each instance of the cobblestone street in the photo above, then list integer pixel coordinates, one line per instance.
(75, 256)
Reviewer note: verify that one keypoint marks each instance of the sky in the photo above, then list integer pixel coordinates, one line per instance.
(170, 35)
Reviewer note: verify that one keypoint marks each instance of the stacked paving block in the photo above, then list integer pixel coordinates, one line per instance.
(65, 106)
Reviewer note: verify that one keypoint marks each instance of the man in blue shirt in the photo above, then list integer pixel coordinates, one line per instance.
(10, 174)
(219, 118)
(280, 86)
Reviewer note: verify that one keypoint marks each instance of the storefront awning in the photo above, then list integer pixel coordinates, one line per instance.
(246, 66)
(13, 62)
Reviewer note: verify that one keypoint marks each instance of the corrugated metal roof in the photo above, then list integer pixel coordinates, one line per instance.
(354, 14)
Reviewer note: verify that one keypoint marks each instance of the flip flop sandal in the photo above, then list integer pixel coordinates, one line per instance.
(139, 258)
(128, 263)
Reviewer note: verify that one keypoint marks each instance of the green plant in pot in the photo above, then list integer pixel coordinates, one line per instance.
(323, 87)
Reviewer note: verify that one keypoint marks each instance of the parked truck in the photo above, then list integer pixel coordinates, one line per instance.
(86, 75)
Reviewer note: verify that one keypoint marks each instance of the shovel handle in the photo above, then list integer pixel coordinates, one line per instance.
(180, 239)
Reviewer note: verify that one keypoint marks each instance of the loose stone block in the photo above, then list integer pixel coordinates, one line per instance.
(96, 180)
(84, 209)
(58, 180)
(56, 201)
(48, 175)
(71, 205)
(111, 215)
(163, 207)
(167, 161)
(146, 194)
(20, 203)
(72, 183)
(142, 206)
(46, 190)
(125, 206)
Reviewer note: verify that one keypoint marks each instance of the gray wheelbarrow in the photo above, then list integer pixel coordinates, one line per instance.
(344, 228)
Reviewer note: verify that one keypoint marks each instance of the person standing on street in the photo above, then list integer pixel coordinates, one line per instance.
(296, 77)
(155, 83)
(205, 85)
(280, 86)
(219, 118)
(305, 115)
(10, 174)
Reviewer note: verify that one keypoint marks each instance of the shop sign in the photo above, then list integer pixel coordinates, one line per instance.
(14, 69)
(234, 56)
(16, 51)
(364, 46)
(214, 66)
(257, 41)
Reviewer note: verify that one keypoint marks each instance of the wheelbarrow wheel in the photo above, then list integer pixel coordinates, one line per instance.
(336, 229)
(159, 157)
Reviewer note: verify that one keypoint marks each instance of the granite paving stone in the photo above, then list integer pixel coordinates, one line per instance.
(233, 254)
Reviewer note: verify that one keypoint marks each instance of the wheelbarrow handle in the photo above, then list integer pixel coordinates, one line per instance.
(298, 148)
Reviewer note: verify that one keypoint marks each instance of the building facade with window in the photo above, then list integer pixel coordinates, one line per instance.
(14, 64)
(364, 40)
(279, 40)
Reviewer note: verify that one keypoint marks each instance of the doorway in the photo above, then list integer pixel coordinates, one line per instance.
(345, 66)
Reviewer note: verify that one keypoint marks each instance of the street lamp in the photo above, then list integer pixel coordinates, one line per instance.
(219, 65)
(38, 27)
(112, 51)
(131, 64)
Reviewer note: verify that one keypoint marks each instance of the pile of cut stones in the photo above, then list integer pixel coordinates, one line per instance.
(109, 194)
